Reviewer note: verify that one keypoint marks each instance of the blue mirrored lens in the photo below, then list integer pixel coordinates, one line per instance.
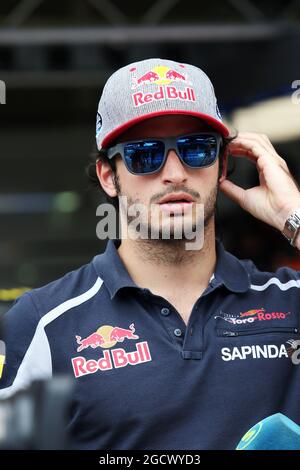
(144, 156)
(198, 150)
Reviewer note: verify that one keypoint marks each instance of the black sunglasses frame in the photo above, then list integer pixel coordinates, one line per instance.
(170, 143)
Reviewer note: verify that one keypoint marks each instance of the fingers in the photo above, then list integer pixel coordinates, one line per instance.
(258, 156)
(253, 146)
(261, 139)
(234, 192)
(276, 184)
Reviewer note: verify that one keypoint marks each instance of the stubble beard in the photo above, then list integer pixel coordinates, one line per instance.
(169, 250)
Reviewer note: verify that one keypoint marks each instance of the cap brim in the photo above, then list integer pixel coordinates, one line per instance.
(217, 125)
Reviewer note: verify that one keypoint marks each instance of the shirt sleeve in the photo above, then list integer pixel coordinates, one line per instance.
(25, 346)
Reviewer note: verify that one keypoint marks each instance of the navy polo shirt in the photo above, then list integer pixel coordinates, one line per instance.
(145, 380)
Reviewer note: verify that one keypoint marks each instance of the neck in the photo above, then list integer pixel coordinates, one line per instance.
(164, 265)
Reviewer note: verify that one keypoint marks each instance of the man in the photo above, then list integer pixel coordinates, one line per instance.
(170, 348)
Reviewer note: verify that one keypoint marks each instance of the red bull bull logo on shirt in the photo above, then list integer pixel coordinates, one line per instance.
(106, 337)
(162, 76)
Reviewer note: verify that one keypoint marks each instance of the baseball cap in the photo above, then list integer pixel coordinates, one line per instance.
(154, 87)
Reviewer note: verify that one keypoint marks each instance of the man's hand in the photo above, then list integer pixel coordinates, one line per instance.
(277, 195)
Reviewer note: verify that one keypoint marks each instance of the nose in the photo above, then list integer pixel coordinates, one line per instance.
(174, 170)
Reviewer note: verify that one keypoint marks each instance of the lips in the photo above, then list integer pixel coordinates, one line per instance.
(178, 203)
(176, 198)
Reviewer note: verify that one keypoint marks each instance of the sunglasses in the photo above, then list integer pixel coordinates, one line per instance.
(147, 156)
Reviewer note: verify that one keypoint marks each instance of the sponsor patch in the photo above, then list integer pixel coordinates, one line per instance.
(106, 337)
(163, 77)
(251, 316)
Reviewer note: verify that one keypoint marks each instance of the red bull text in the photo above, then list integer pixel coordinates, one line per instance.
(114, 358)
(168, 92)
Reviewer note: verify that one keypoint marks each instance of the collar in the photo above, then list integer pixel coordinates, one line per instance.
(229, 270)
(111, 269)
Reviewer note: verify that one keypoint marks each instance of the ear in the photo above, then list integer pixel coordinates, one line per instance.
(223, 165)
(105, 176)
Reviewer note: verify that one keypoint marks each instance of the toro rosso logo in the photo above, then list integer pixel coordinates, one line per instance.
(251, 313)
(162, 76)
(250, 316)
(107, 337)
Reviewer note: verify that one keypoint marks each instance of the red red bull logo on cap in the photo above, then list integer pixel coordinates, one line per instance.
(106, 337)
(162, 76)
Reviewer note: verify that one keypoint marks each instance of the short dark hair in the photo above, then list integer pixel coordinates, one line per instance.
(102, 156)
(93, 178)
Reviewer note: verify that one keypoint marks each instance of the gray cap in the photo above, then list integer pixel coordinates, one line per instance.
(150, 88)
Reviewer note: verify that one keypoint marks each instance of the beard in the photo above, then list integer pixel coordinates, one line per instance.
(148, 225)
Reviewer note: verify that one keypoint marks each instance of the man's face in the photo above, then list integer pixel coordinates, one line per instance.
(175, 177)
